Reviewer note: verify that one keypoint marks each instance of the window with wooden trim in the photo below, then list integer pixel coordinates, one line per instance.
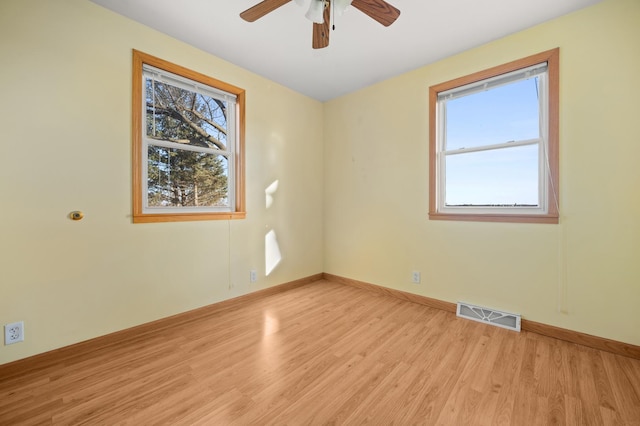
(493, 143)
(188, 144)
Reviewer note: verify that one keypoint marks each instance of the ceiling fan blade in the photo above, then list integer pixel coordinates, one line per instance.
(261, 9)
(379, 10)
(321, 31)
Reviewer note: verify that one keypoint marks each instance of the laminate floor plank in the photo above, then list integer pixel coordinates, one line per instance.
(328, 354)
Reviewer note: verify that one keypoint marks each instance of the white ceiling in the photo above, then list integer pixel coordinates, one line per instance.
(361, 51)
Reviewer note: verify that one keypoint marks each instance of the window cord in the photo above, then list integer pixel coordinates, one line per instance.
(551, 181)
(229, 254)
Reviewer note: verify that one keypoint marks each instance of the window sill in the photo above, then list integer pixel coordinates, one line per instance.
(187, 217)
(508, 218)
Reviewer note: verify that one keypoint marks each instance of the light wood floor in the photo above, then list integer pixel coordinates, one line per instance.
(327, 353)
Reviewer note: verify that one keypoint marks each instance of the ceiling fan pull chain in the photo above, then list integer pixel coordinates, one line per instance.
(333, 15)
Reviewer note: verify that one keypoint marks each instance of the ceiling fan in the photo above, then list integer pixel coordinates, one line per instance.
(320, 13)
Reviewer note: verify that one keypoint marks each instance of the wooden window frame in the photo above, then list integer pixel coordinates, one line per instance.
(139, 216)
(552, 57)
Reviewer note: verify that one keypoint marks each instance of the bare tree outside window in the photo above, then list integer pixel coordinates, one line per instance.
(178, 176)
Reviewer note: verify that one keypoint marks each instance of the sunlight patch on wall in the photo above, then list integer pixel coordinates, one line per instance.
(272, 256)
(271, 189)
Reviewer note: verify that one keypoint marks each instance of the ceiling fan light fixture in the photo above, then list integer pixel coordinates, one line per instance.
(340, 6)
(316, 11)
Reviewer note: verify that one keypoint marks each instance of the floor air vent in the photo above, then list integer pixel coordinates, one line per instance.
(489, 316)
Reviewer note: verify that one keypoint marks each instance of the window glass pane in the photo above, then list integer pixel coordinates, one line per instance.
(505, 113)
(498, 177)
(179, 115)
(179, 178)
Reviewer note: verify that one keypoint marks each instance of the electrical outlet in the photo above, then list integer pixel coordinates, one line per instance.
(14, 333)
(415, 277)
(253, 276)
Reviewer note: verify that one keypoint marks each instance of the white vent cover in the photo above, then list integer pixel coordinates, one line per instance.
(489, 316)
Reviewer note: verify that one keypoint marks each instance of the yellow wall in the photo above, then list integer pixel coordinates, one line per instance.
(65, 114)
(583, 274)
